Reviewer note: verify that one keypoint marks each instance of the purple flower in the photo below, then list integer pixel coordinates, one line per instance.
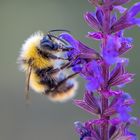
(92, 72)
(87, 129)
(116, 46)
(110, 52)
(121, 9)
(95, 20)
(82, 130)
(128, 19)
(123, 106)
(105, 71)
(79, 54)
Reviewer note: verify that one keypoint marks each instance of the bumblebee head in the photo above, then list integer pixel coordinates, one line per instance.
(49, 44)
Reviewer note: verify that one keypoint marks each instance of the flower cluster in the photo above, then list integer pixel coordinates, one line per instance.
(105, 71)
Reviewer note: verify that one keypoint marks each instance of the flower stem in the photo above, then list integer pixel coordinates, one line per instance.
(104, 100)
(104, 127)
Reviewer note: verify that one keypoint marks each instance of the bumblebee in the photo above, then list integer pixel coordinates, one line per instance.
(40, 59)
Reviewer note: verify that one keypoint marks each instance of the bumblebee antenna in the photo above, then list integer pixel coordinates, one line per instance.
(59, 30)
(49, 35)
(52, 36)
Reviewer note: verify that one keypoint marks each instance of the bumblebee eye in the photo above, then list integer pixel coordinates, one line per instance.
(46, 42)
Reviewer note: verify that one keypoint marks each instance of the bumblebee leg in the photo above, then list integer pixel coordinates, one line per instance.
(53, 71)
(59, 85)
(28, 75)
(65, 49)
(82, 56)
(66, 65)
(51, 56)
(67, 78)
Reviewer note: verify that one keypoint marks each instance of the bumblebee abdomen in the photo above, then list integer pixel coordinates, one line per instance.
(64, 92)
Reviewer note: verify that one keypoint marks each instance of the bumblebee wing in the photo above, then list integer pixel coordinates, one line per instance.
(28, 75)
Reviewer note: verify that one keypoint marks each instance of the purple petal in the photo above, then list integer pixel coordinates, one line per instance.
(82, 130)
(99, 16)
(121, 80)
(124, 138)
(116, 99)
(92, 85)
(95, 35)
(86, 50)
(110, 52)
(133, 120)
(121, 26)
(69, 38)
(113, 18)
(120, 131)
(134, 10)
(92, 71)
(110, 111)
(115, 93)
(127, 20)
(123, 113)
(129, 102)
(105, 72)
(77, 68)
(110, 59)
(125, 47)
(91, 100)
(122, 60)
(91, 21)
(98, 121)
(118, 70)
(107, 94)
(83, 105)
(121, 9)
(112, 130)
(89, 138)
(120, 2)
(115, 121)
(135, 21)
(110, 93)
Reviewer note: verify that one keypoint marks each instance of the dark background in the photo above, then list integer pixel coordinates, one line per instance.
(42, 119)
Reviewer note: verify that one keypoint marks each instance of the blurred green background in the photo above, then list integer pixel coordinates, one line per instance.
(42, 119)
